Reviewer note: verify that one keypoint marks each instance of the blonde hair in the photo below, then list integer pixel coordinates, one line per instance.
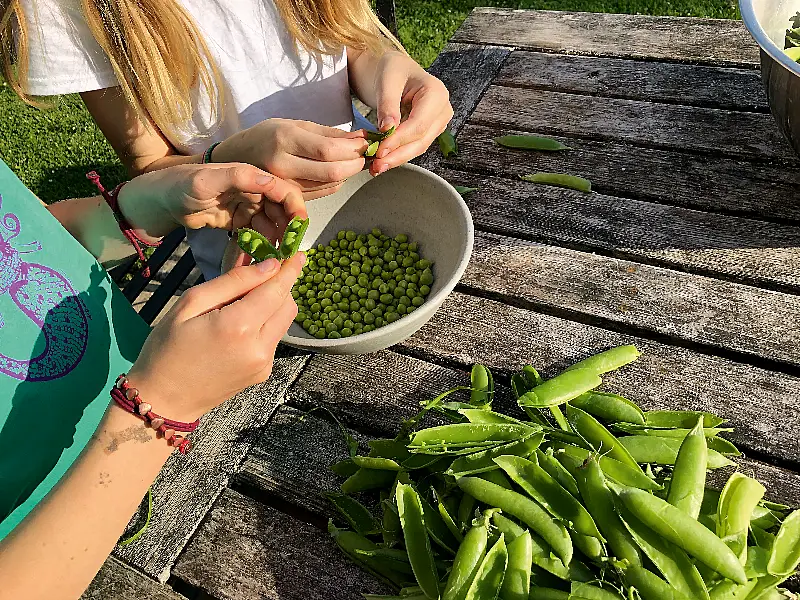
(160, 57)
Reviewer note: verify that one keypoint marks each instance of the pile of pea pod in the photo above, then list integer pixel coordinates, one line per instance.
(580, 496)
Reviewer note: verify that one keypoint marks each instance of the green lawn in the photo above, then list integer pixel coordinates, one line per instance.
(52, 149)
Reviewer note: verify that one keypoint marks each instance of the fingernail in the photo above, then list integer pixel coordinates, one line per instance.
(263, 179)
(386, 123)
(383, 168)
(382, 153)
(268, 266)
(304, 257)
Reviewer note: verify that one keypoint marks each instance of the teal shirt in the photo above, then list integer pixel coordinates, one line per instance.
(66, 333)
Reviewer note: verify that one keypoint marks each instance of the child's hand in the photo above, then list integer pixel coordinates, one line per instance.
(218, 339)
(400, 80)
(220, 196)
(315, 158)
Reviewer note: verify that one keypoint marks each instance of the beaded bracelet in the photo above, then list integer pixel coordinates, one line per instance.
(111, 199)
(128, 398)
(207, 153)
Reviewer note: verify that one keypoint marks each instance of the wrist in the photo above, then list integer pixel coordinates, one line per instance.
(145, 212)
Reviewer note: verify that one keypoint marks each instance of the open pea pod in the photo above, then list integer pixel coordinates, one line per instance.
(293, 237)
(785, 556)
(256, 245)
(560, 389)
(738, 500)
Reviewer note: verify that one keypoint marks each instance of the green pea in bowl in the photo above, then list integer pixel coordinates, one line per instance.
(405, 201)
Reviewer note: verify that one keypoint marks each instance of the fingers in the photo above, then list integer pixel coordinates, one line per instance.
(316, 194)
(312, 145)
(226, 289)
(324, 172)
(278, 324)
(260, 304)
(332, 132)
(389, 94)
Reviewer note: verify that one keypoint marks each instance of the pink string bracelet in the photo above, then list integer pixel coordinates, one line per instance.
(124, 226)
(127, 397)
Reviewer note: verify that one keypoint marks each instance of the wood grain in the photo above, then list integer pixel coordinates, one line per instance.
(727, 185)
(693, 85)
(760, 404)
(245, 550)
(703, 41)
(117, 581)
(708, 130)
(699, 310)
(741, 249)
(188, 485)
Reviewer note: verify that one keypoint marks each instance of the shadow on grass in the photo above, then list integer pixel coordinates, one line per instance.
(70, 182)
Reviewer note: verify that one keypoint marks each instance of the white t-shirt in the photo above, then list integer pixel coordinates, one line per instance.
(264, 76)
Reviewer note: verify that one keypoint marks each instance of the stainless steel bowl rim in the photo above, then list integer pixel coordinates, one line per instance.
(764, 41)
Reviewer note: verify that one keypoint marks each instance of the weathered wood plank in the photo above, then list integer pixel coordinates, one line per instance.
(708, 41)
(722, 132)
(729, 185)
(760, 404)
(245, 550)
(466, 70)
(117, 581)
(695, 85)
(188, 485)
(697, 309)
(745, 250)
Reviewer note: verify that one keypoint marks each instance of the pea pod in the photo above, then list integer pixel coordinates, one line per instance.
(360, 519)
(349, 542)
(678, 432)
(479, 415)
(525, 509)
(541, 593)
(463, 190)
(421, 461)
(723, 446)
(600, 438)
(536, 482)
(496, 477)
(560, 180)
(609, 407)
(377, 464)
(447, 143)
(560, 389)
(466, 511)
(607, 361)
(483, 461)
(345, 468)
(449, 522)
(379, 136)
(664, 451)
(687, 488)
(517, 582)
(385, 448)
(650, 586)
(256, 245)
(619, 472)
(785, 555)
(588, 591)
(489, 578)
(460, 435)
(293, 237)
(684, 419)
(482, 385)
(738, 500)
(417, 542)
(367, 479)
(531, 377)
(391, 529)
(530, 142)
(467, 562)
(557, 471)
(437, 528)
(680, 529)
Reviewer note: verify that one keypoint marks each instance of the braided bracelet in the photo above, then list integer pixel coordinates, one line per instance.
(207, 153)
(128, 398)
(111, 199)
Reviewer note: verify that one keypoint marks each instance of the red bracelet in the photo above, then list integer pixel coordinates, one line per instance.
(128, 398)
(111, 199)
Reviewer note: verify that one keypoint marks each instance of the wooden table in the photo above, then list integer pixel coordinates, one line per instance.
(689, 248)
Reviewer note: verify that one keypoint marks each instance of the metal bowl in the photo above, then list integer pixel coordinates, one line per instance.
(767, 21)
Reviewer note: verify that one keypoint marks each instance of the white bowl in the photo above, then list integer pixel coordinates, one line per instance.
(407, 199)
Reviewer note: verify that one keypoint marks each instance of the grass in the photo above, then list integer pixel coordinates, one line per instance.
(52, 149)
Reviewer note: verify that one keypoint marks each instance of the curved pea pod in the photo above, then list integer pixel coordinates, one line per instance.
(481, 385)
(650, 586)
(489, 578)
(687, 487)
(377, 464)
(738, 500)
(360, 519)
(609, 407)
(600, 504)
(564, 180)
(723, 446)
(619, 472)
(530, 142)
(600, 438)
(466, 563)
(417, 542)
(517, 582)
(293, 237)
(350, 541)
(607, 361)
(785, 555)
(368, 479)
(680, 529)
(483, 461)
(681, 419)
(672, 562)
(464, 435)
(664, 451)
(525, 509)
(256, 245)
(344, 468)
(531, 377)
(557, 471)
(447, 143)
(560, 389)
(537, 482)
(479, 415)
(541, 593)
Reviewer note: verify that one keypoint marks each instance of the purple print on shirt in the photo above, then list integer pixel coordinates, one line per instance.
(48, 299)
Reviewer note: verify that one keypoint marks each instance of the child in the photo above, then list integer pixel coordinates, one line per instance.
(166, 80)
(74, 465)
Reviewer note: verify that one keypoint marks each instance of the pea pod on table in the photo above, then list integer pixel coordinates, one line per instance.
(417, 542)
(557, 471)
(609, 407)
(620, 472)
(564, 180)
(482, 385)
(350, 541)
(664, 451)
(560, 389)
(687, 487)
(530, 142)
(359, 517)
(609, 360)
(683, 419)
(738, 500)
(483, 461)
(467, 435)
(447, 143)
(650, 586)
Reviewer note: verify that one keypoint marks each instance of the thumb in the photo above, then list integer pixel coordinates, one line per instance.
(388, 96)
(227, 288)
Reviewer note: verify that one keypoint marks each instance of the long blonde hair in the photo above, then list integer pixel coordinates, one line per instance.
(160, 57)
